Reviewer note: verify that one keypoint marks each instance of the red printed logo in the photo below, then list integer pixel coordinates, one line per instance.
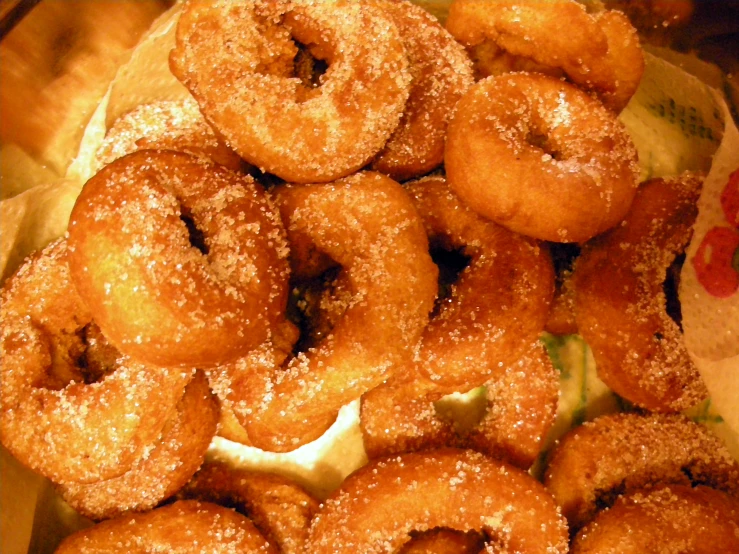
(716, 262)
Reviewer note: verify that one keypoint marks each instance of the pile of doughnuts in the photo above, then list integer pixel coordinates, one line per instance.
(331, 218)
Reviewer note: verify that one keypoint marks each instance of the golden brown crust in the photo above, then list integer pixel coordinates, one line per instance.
(367, 224)
(279, 508)
(181, 528)
(666, 520)
(540, 157)
(441, 73)
(620, 303)
(599, 53)
(377, 507)
(161, 293)
(51, 419)
(622, 453)
(234, 57)
(167, 466)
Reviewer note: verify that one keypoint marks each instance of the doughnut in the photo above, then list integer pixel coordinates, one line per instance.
(541, 158)
(620, 305)
(57, 419)
(520, 405)
(378, 507)
(183, 262)
(600, 52)
(617, 454)
(484, 332)
(165, 125)
(237, 61)
(441, 73)
(278, 507)
(499, 304)
(167, 467)
(444, 541)
(367, 224)
(183, 527)
(668, 519)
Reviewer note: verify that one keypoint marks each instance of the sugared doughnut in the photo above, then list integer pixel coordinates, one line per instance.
(441, 73)
(378, 507)
(166, 126)
(51, 419)
(367, 225)
(620, 302)
(167, 466)
(600, 52)
(278, 507)
(183, 262)
(540, 157)
(236, 58)
(669, 519)
(492, 316)
(181, 528)
(499, 303)
(521, 401)
(621, 453)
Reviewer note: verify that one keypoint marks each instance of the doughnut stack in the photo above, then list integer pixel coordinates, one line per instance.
(358, 203)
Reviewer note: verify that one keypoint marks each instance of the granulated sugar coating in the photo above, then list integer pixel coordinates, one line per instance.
(621, 307)
(237, 60)
(178, 528)
(441, 73)
(169, 126)
(540, 157)
(377, 508)
(667, 520)
(163, 471)
(51, 420)
(367, 225)
(162, 293)
(617, 454)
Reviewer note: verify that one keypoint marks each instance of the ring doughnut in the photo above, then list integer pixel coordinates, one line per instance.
(621, 453)
(366, 224)
(278, 507)
(165, 294)
(183, 527)
(521, 403)
(540, 157)
(165, 125)
(697, 520)
(441, 73)
(490, 320)
(619, 292)
(601, 53)
(378, 507)
(166, 468)
(499, 304)
(237, 61)
(50, 418)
